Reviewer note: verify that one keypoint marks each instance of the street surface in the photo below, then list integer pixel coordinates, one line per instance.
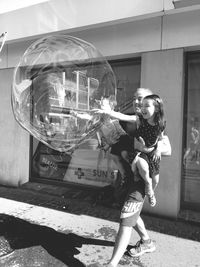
(82, 235)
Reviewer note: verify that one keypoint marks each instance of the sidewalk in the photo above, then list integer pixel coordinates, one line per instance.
(44, 229)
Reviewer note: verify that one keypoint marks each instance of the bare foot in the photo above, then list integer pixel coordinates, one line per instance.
(152, 200)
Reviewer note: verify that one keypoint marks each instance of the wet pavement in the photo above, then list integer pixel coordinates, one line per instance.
(56, 226)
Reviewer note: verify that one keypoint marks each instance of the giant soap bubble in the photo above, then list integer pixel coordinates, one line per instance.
(56, 84)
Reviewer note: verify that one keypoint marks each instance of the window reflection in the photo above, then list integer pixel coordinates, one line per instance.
(191, 156)
(192, 152)
(89, 164)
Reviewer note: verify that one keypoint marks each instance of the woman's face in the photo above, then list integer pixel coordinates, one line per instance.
(138, 98)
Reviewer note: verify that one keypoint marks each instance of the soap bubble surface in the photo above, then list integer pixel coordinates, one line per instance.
(56, 84)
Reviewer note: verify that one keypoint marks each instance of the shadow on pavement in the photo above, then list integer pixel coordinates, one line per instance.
(21, 234)
(99, 204)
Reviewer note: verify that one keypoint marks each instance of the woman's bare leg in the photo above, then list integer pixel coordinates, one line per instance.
(121, 243)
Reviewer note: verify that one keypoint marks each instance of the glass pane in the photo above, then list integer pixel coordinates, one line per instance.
(88, 165)
(128, 80)
(191, 158)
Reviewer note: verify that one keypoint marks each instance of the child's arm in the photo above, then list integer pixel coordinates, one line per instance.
(123, 117)
(119, 115)
(84, 116)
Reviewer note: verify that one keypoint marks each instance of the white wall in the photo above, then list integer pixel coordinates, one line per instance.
(163, 73)
(14, 145)
(125, 40)
(60, 15)
(181, 30)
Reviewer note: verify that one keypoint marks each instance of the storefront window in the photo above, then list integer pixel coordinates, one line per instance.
(89, 164)
(191, 157)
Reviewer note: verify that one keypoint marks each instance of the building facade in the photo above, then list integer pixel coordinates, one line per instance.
(154, 45)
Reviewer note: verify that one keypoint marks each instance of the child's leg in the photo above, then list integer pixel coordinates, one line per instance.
(143, 169)
(155, 180)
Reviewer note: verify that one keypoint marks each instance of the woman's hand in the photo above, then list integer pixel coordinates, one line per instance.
(140, 145)
(156, 155)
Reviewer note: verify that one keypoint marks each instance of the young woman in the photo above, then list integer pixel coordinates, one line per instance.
(130, 213)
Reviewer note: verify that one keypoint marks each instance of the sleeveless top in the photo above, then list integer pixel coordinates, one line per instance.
(150, 133)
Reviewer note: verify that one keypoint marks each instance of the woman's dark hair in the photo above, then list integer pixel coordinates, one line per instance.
(159, 113)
